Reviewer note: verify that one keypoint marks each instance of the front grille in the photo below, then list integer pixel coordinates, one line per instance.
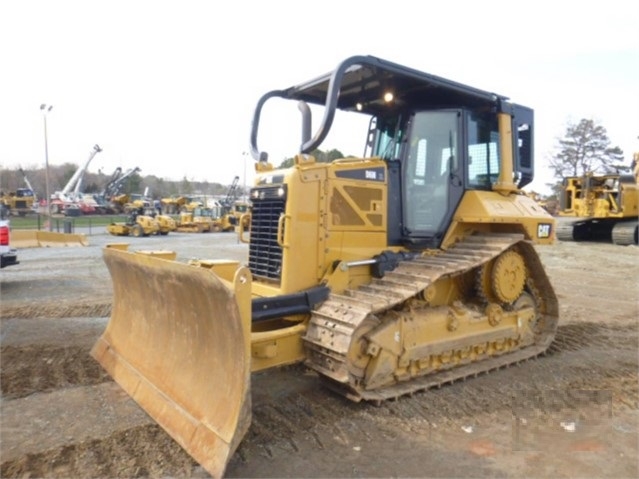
(265, 254)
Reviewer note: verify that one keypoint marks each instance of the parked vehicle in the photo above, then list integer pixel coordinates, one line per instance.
(8, 255)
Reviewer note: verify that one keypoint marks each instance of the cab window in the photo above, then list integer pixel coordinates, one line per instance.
(483, 153)
(430, 159)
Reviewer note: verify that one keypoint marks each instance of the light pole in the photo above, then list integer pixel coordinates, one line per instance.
(46, 109)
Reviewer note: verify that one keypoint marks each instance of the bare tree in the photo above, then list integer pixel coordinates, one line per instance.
(585, 148)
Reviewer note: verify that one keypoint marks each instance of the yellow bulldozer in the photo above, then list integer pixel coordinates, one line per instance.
(601, 207)
(197, 220)
(409, 267)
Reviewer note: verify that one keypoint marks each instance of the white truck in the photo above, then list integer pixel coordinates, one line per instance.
(8, 255)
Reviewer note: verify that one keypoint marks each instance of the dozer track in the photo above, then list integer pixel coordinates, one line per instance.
(566, 229)
(338, 325)
(619, 231)
(625, 233)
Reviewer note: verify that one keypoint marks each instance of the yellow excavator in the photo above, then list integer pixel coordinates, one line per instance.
(601, 207)
(409, 267)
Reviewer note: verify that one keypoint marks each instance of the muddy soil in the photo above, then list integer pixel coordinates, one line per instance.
(573, 412)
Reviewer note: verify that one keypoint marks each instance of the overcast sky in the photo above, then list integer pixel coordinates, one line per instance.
(170, 86)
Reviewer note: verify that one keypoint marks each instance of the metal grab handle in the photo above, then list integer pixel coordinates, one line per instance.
(280, 231)
(241, 229)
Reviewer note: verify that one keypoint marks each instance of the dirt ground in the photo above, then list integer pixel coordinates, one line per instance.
(571, 413)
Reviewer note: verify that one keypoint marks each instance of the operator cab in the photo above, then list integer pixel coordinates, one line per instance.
(433, 157)
(439, 139)
(24, 193)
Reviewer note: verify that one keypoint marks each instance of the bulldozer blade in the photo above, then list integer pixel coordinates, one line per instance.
(178, 342)
(45, 239)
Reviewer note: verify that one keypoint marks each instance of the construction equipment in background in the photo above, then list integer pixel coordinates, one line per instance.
(135, 201)
(182, 203)
(20, 202)
(129, 203)
(147, 207)
(71, 200)
(404, 269)
(136, 224)
(143, 220)
(166, 223)
(28, 183)
(118, 202)
(107, 198)
(190, 204)
(232, 210)
(230, 219)
(231, 194)
(601, 207)
(550, 205)
(173, 204)
(197, 220)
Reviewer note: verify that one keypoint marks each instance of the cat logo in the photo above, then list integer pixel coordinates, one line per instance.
(543, 230)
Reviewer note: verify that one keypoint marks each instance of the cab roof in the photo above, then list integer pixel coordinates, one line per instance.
(364, 80)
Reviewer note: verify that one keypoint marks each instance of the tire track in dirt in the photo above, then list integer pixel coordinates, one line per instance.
(312, 417)
(486, 398)
(60, 309)
(301, 417)
(31, 369)
(43, 355)
(317, 416)
(143, 451)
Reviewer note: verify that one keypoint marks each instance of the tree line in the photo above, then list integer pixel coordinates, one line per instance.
(95, 183)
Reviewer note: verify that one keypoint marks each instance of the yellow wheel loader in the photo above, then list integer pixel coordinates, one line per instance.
(409, 267)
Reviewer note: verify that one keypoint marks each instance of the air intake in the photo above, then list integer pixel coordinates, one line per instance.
(265, 254)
